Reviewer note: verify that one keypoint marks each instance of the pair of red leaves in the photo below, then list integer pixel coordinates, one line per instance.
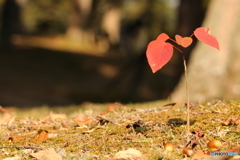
(159, 52)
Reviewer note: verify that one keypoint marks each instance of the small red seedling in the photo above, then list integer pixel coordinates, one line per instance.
(159, 52)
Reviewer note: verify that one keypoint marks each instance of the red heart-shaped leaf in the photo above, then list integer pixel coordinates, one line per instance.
(158, 54)
(162, 37)
(183, 41)
(203, 34)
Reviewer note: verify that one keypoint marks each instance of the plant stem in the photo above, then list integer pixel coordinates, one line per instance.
(187, 93)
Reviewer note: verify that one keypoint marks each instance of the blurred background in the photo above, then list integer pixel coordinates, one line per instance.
(58, 52)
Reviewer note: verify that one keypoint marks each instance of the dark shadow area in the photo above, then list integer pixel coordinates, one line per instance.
(176, 122)
(38, 76)
(34, 76)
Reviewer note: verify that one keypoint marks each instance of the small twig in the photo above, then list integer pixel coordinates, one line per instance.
(189, 141)
(127, 115)
(167, 106)
(22, 147)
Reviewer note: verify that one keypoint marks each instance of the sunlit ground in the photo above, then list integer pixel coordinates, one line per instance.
(62, 43)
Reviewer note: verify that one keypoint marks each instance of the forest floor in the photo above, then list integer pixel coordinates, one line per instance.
(116, 131)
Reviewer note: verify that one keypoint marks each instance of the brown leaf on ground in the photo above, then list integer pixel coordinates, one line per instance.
(198, 132)
(62, 152)
(80, 120)
(54, 117)
(130, 154)
(113, 106)
(48, 154)
(194, 141)
(5, 111)
(43, 136)
(13, 158)
(199, 154)
(6, 115)
(12, 138)
(28, 151)
(203, 156)
(232, 121)
(102, 120)
(235, 149)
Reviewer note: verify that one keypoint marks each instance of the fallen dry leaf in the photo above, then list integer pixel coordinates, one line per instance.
(13, 158)
(198, 132)
(28, 151)
(200, 154)
(232, 121)
(102, 120)
(7, 116)
(48, 154)
(12, 138)
(111, 107)
(130, 154)
(5, 110)
(235, 149)
(80, 120)
(61, 152)
(53, 135)
(54, 117)
(43, 136)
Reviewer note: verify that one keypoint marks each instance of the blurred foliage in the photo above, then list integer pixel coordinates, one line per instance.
(52, 16)
(160, 15)
(47, 16)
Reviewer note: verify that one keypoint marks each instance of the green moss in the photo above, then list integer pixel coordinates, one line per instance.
(153, 130)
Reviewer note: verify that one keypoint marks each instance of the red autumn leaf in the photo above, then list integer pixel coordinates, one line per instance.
(162, 37)
(158, 54)
(183, 41)
(43, 136)
(203, 34)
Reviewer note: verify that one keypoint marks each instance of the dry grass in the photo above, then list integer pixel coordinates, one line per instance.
(101, 130)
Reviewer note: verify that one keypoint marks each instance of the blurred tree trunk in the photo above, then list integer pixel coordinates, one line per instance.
(190, 16)
(90, 18)
(79, 19)
(11, 22)
(214, 74)
(111, 23)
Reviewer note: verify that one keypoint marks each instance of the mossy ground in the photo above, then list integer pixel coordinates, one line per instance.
(151, 131)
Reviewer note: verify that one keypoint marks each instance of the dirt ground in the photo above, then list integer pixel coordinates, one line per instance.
(113, 131)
